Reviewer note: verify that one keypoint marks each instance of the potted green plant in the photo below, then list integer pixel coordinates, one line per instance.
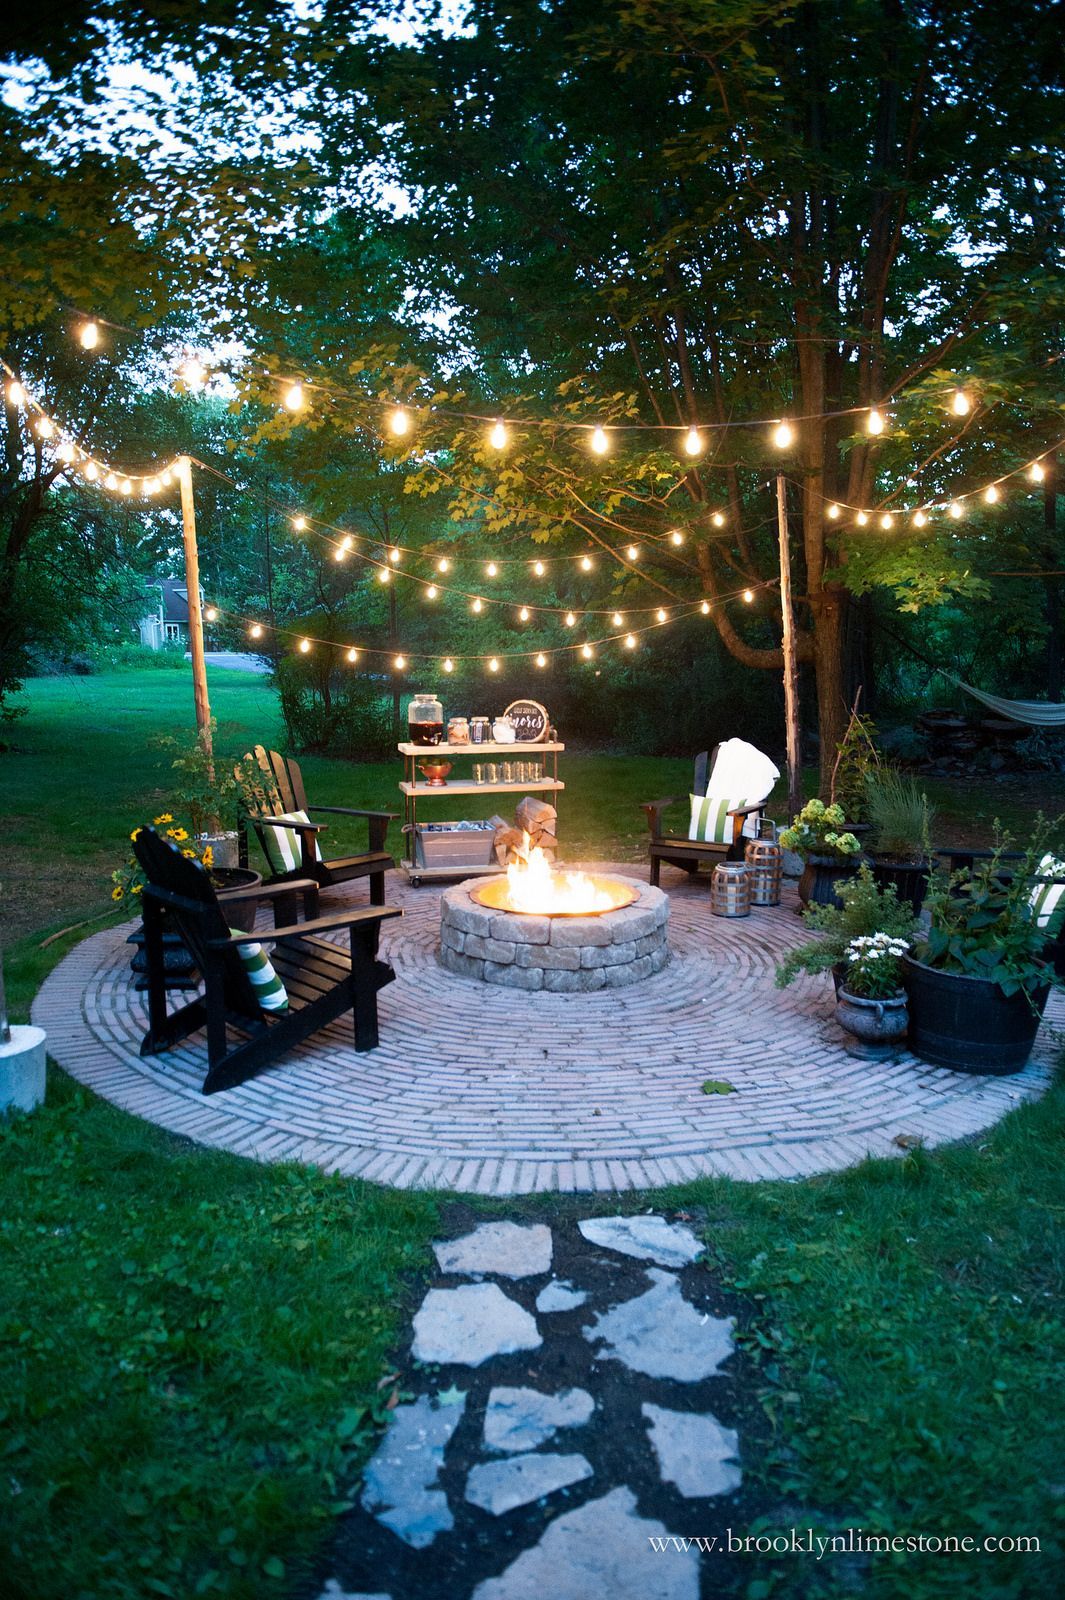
(206, 792)
(863, 909)
(829, 851)
(979, 980)
(871, 1002)
(857, 760)
(900, 820)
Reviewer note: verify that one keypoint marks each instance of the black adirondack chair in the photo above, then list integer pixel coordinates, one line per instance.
(322, 981)
(678, 850)
(277, 795)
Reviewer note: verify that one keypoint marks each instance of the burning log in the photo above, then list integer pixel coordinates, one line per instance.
(534, 827)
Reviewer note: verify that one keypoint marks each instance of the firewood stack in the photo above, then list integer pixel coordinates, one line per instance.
(534, 818)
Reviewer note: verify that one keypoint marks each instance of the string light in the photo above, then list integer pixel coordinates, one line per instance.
(299, 524)
(125, 486)
(955, 510)
(960, 403)
(16, 394)
(400, 663)
(477, 607)
(449, 665)
(693, 442)
(66, 452)
(783, 435)
(498, 436)
(44, 427)
(523, 614)
(887, 521)
(151, 485)
(211, 614)
(570, 619)
(538, 568)
(676, 537)
(630, 641)
(861, 519)
(493, 665)
(919, 519)
(874, 422)
(705, 608)
(92, 471)
(541, 660)
(393, 556)
(586, 563)
(587, 652)
(600, 443)
(294, 397)
(748, 595)
(194, 374)
(353, 655)
(492, 570)
(256, 630)
(432, 592)
(1036, 472)
(399, 422)
(384, 574)
(89, 335)
(991, 494)
(833, 513)
(633, 553)
(661, 615)
(443, 565)
(718, 519)
(617, 620)
(305, 647)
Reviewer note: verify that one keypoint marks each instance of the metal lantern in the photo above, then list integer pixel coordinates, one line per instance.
(765, 864)
(730, 890)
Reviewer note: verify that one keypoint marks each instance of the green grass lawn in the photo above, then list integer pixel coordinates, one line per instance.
(195, 1350)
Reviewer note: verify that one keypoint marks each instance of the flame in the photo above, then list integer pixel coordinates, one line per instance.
(534, 886)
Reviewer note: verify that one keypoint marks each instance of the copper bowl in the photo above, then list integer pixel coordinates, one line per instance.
(434, 772)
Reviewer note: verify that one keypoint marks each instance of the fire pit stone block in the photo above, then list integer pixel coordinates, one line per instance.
(563, 955)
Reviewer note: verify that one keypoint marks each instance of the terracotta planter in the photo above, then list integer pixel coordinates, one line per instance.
(968, 1024)
(877, 1025)
(820, 875)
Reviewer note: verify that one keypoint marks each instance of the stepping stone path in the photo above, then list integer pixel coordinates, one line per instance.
(564, 1428)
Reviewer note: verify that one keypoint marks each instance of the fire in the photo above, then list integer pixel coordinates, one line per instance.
(534, 886)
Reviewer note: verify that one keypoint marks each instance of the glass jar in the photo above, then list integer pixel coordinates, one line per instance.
(503, 731)
(425, 719)
(479, 732)
(458, 730)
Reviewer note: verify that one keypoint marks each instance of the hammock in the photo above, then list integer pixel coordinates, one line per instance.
(1037, 713)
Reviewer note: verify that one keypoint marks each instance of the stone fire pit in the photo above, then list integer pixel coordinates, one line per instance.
(564, 954)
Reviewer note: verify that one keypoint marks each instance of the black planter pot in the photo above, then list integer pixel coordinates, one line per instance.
(910, 879)
(240, 916)
(968, 1024)
(820, 875)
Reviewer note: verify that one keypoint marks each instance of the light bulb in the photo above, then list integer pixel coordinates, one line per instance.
(432, 592)
(256, 630)
(497, 438)
(92, 471)
(399, 422)
(676, 537)
(887, 521)
(599, 441)
(110, 482)
(538, 568)
(294, 397)
(449, 665)
(193, 373)
(152, 485)
(632, 553)
(833, 513)
(874, 422)
(299, 524)
(126, 486)
(384, 574)
(861, 519)
(693, 442)
(570, 619)
(955, 510)
(211, 614)
(523, 614)
(340, 554)
(1036, 472)
(492, 570)
(541, 660)
(718, 519)
(305, 645)
(443, 565)
(477, 607)
(166, 479)
(630, 641)
(89, 335)
(960, 403)
(66, 452)
(399, 663)
(587, 652)
(353, 655)
(662, 615)
(16, 394)
(919, 519)
(586, 563)
(393, 556)
(45, 427)
(991, 494)
(493, 665)
(748, 595)
(617, 620)
(705, 608)
(783, 435)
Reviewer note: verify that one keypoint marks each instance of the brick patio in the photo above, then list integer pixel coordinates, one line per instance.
(494, 1091)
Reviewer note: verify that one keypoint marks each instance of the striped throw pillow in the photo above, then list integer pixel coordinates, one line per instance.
(283, 844)
(710, 819)
(1048, 899)
(269, 990)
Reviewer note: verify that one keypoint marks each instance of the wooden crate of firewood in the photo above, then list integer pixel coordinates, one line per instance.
(535, 824)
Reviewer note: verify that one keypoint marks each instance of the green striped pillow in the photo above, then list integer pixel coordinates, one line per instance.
(269, 990)
(1048, 899)
(283, 844)
(710, 818)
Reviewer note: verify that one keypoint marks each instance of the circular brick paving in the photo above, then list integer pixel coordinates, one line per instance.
(497, 1091)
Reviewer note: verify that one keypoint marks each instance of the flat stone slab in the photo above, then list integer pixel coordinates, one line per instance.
(670, 1244)
(470, 1324)
(499, 1486)
(522, 1419)
(505, 1249)
(659, 1333)
(696, 1453)
(398, 1481)
(558, 1295)
(600, 1550)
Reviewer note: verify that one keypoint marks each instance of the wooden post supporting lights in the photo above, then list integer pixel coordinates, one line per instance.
(192, 580)
(791, 670)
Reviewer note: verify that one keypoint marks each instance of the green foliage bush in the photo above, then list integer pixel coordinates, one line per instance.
(334, 713)
(866, 910)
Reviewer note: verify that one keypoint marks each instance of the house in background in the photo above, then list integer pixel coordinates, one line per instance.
(168, 624)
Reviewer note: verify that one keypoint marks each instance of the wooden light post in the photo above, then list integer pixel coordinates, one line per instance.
(192, 580)
(791, 669)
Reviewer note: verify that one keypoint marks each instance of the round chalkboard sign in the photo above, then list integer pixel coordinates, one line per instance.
(530, 719)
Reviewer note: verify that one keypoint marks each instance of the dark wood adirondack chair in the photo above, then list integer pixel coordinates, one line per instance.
(322, 981)
(280, 792)
(680, 851)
